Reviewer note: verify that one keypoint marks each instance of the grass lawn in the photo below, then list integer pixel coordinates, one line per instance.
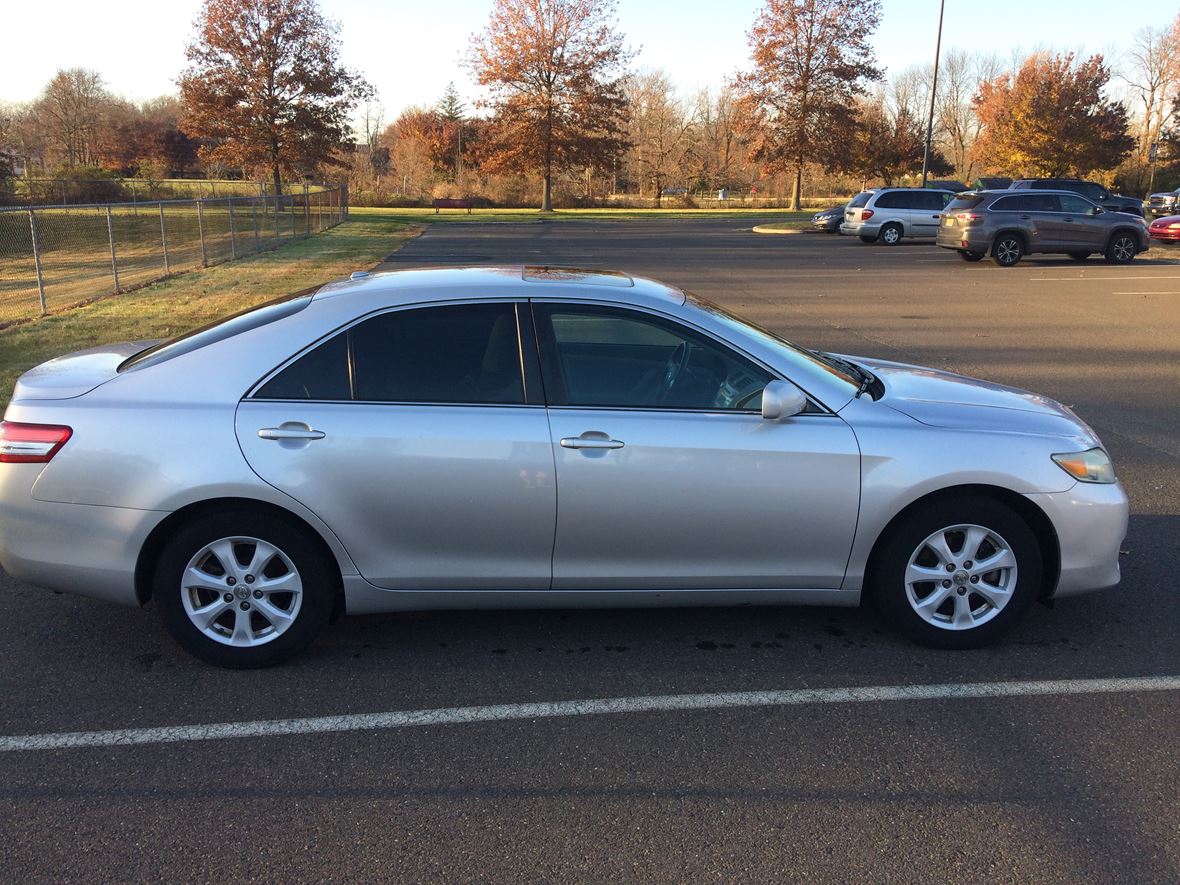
(184, 302)
(451, 216)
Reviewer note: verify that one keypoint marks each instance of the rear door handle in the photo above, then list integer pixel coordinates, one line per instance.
(290, 430)
(586, 441)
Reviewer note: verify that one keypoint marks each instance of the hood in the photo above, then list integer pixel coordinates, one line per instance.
(944, 399)
(75, 373)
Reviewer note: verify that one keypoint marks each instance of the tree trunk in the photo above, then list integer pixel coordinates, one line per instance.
(546, 201)
(278, 181)
(796, 189)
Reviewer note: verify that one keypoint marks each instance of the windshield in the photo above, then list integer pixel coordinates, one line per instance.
(219, 330)
(792, 353)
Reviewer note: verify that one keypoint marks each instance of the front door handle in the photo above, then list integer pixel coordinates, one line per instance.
(591, 439)
(290, 430)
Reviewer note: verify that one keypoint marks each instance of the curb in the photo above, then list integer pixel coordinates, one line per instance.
(765, 229)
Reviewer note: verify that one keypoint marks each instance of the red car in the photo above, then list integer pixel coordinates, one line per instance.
(1166, 229)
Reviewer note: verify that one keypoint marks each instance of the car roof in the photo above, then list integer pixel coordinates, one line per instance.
(509, 281)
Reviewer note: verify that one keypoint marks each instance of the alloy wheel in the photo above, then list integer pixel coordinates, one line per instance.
(1123, 249)
(241, 591)
(960, 577)
(1008, 251)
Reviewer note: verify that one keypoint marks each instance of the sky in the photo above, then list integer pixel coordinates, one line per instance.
(410, 49)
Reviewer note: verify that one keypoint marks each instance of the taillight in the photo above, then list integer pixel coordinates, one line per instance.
(31, 443)
(866, 214)
(968, 217)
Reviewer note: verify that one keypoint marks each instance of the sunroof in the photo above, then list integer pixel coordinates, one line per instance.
(545, 274)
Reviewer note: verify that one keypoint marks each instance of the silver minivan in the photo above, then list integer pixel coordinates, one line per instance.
(891, 214)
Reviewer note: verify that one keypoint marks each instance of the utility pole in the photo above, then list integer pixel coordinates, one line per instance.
(933, 94)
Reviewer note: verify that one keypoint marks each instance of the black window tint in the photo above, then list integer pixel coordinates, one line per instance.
(890, 200)
(464, 353)
(1007, 204)
(1070, 203)
(321, 374)
(860, 200)
(1042, 203)
(930, 200)
(623, 359)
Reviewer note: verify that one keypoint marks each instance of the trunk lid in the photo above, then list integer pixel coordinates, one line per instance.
(75, 373)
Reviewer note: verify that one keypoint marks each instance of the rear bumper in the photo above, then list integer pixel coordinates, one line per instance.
(963, 239)
(860, 229)
(1091, 522)
(75, 548)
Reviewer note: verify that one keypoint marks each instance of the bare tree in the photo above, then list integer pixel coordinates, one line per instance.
(1153, 75)
(69, 113)
(660, 129)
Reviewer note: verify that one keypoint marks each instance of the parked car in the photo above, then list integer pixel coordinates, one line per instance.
(1165, 203)
(829, 219)
(1166, 229)
(1009, 225)
(891, 214)
(948, 184)
(990, 184)
(1091, 190)
(397, 442)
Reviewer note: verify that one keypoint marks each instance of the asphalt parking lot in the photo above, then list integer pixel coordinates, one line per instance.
(1066, 786)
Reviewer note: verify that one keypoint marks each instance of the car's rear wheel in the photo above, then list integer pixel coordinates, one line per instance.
(1007, 250)
(970, 256)
(242, 589)
(1079, 256)
(868, 240)
(958, 573)
(891, 234)
(1121, 249)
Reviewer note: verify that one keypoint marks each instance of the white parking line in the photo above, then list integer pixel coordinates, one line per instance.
(548, 710)
(1096, 279)
(1153, 292)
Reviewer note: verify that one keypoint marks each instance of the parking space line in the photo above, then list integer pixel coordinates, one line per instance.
(1097, 279)
(1153, 292)
(598, 707)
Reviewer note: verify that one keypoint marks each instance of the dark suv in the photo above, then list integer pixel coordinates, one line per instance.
(1091, 190)
(1010, 225)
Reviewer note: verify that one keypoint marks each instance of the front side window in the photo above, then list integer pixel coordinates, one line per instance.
(1076, 205)
(461, 353)
(614, 358)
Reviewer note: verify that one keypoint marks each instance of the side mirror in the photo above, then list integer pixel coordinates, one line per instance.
(782, 399)
(1095, 211)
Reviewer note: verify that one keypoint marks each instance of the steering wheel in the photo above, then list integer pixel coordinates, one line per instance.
(674, 368)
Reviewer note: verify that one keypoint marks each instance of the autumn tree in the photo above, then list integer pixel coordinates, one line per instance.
(554, 71)
(69, 114)
(811, 59)
(264, 86)
(889, 142)
(1051, 118)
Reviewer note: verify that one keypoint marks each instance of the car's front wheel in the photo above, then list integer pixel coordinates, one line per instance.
(1122, 249)
(242, 589)
(958, 573)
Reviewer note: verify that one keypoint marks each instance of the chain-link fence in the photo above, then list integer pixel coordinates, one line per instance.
(80, 191)
(53, 257)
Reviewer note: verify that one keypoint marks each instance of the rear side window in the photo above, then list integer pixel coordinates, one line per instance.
(1041, 203)
(860, 200)
(892, 200)
(463, 353)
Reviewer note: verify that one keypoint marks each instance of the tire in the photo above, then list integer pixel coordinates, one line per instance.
(891, 234)
(1007, 250)
(1121, 249)
(246, 629)
(962, 615)
(868, 241)
(1079, 256)
(970, 256)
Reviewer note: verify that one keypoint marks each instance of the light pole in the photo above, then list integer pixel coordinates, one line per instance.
(933, 94)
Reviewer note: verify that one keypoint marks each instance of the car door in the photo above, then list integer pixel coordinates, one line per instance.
(894, 206)
(1082, 228)
(926, 212)
(415, 436)
(667, 475)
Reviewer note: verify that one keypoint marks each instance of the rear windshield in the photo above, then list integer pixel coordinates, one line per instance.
(964, 201)
(861, 199)
(219, 330)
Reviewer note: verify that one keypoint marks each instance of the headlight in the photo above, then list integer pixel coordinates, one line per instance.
(1092, 465)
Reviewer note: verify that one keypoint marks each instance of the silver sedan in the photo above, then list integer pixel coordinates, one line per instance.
(528, 437)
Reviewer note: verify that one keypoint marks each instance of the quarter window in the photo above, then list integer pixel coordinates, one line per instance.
(463, 353)
(606, 357)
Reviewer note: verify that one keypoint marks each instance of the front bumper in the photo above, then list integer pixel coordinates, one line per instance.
(1090, 520)
(1166, 235)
